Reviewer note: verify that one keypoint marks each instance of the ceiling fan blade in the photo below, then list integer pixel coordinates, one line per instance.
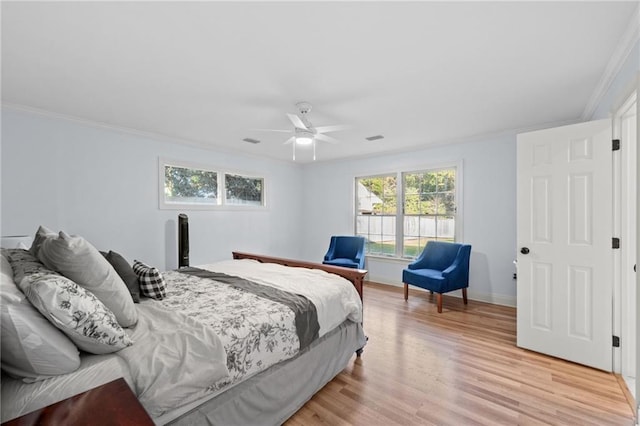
(271, 130)
(290, 140)
(326, 138)
(297, 121)
(334, 128)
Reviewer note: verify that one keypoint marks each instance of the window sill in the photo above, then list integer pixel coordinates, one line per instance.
(389, 259)
(210, 207)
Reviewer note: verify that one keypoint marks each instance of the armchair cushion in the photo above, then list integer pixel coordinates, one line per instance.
(347, 263)
(429, 279)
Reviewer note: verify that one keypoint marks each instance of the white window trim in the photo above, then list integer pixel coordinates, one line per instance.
(459, 224)
(389, 259)
(222, 193)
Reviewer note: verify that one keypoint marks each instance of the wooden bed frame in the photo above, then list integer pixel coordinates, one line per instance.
(356, 276)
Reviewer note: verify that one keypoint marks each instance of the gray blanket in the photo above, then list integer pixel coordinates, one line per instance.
(306, 316)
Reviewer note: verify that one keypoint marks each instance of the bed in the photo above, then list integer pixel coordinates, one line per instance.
(232, 343)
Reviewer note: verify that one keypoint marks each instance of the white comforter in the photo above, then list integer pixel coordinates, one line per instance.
(335, 298)
(173, 358)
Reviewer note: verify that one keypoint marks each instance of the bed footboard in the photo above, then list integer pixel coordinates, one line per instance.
(355, 276)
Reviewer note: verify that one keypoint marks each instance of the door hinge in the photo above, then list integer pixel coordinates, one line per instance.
(615, 145)
(616, 342)
(615, 243)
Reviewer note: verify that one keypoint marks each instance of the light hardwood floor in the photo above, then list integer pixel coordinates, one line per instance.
(461, 367)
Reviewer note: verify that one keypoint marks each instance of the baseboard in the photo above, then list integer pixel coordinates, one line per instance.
(495, 299)
(628, 394)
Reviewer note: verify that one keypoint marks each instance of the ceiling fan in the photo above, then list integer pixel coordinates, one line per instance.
(304, 133)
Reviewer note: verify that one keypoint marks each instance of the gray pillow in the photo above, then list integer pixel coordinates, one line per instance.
(78, 260)
(125, 271)
(77, 312)
(31, 347)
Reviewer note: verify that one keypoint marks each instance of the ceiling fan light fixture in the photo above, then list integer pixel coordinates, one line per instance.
(304, 140)
(304, 137)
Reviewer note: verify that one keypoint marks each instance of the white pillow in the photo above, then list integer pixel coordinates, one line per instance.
(77, 312)
(41, 234)
(31, 347)
(75, 258)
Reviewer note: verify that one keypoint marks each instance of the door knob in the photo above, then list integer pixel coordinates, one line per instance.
(524, 250)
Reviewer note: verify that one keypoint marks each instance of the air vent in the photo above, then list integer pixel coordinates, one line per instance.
(374, 138)
(251, 140)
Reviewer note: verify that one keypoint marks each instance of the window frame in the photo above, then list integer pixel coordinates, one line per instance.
(400, 214)
(221, 172)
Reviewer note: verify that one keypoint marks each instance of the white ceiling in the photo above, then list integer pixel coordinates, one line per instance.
(210, 73)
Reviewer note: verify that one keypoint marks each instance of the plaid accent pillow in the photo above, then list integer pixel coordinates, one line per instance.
(151, 282)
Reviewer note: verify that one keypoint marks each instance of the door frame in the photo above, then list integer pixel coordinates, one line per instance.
(622, 321)
(637, 90)
(625, 190)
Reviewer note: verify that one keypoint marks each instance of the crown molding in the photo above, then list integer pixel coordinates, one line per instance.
(134, 132)
(621, 53)
(487, 136)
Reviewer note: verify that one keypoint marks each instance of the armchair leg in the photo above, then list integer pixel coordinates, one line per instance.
(439, 299)
(406, 291)
(464, 295)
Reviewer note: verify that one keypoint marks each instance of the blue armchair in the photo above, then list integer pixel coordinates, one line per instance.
(346, 251)
(440, 268)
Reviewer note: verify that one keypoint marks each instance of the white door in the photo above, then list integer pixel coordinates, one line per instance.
(565, 243)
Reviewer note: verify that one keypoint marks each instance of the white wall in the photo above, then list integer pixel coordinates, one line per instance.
(489, 203)
(621, 86)
(103, 184)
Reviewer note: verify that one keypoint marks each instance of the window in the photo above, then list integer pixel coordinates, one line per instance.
(376, 217)
(243, 190)
(185, 185)
(428, 211)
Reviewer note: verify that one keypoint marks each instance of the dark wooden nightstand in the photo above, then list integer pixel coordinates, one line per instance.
(110, 404)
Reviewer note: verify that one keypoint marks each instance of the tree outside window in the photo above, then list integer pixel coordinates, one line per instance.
(243, 190)
(185, 185)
